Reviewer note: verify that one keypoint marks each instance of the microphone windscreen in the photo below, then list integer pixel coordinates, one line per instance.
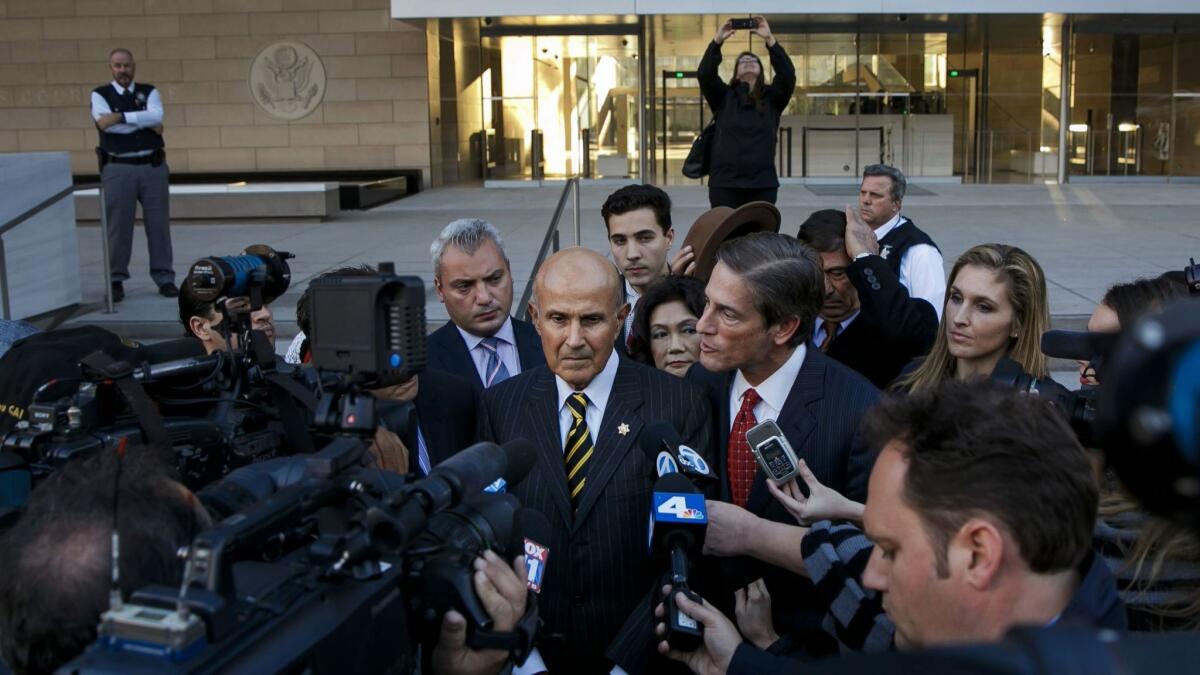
(474, 468)
(531, 537)
(1076, 345)
(171, 350)
(500, 514)
(674, 482)
(658, 436)
(520, 454)
(529, 524)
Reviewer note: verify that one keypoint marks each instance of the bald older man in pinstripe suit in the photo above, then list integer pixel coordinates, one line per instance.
(584, 411)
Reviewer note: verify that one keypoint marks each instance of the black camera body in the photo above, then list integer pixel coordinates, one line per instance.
(379, 353)
(340, 567)
(1078, 407)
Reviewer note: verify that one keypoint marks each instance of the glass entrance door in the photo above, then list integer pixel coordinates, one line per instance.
(560, 105)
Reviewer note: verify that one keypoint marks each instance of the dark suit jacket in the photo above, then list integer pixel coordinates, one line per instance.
(880, 346)
(446, 351)
(892, 329)
(820, 419)
(447, 410)
(598, 571)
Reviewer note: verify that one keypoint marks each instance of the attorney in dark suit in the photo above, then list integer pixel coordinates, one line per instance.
(584, 411)
(471, 274)
(440, 422)
(868, 321)
(763, 297)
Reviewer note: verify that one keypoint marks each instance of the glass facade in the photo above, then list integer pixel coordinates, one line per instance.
(971, 98)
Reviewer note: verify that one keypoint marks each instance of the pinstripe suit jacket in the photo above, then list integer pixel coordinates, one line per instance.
(820, 419)
(599, 570)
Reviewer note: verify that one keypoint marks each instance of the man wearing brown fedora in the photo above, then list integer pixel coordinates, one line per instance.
(716, 226)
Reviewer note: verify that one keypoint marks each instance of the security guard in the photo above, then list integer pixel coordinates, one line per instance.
(129, 118)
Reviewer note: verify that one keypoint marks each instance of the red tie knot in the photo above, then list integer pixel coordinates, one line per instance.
(750, 398)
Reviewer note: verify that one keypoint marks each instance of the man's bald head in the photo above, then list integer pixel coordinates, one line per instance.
(578, 308)
(572, 266)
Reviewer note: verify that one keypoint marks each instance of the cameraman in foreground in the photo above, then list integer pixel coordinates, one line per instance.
(57, 559)
(981, 507)
(57, 563)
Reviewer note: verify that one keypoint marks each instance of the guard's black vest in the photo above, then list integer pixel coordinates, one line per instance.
(902, 237)
(130, 101)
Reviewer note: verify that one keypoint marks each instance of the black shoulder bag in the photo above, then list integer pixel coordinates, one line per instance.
(697, 162)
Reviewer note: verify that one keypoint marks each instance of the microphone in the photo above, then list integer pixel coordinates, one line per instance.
(466, 472)
(173, 358)
(662, 445)
(1077, 345)
(170, 350)
(678, 521)
(521, 455)
(531, 534)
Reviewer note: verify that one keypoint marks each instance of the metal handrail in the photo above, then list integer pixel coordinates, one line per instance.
(550, 241)
(5, 305)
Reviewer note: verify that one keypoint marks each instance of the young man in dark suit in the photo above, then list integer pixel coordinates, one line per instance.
(763, 297)
(868, 320)
(584, 411)
(471, 274)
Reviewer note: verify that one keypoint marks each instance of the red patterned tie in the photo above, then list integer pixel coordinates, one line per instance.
(742, 465)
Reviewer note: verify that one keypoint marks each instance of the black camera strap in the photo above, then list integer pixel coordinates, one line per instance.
(518, 642)
(118, 372)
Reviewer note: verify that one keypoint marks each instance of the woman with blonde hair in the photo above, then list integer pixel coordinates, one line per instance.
(995, 307)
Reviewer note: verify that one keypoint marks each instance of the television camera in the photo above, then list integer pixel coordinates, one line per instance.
(323, 563)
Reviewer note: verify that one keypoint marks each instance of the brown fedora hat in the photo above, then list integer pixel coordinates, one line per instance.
(717, 226)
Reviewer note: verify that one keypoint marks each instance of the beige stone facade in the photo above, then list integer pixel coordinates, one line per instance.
(375, 112)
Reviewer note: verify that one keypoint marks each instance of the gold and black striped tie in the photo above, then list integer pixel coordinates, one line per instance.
(578, 448)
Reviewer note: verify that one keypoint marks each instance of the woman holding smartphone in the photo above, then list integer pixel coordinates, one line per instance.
(747, 110)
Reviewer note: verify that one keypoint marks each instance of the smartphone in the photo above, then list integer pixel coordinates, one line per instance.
(744, 24)
(774, 453)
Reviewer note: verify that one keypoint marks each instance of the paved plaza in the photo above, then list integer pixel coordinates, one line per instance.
(1086, 236)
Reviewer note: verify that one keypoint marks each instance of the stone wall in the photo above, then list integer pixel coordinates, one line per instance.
(375, 112)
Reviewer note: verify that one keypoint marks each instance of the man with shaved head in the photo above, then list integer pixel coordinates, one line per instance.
(584, 411)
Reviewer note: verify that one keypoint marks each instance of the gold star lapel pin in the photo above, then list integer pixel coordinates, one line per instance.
(623, 429)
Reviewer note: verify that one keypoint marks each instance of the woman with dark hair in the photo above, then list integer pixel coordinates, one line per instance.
(747, 110)
(664, 329)
(1122, 304)
(1156, 562)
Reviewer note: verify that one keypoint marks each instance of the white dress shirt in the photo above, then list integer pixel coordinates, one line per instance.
(507, 350)
(819, 328)
(774, 390)
(597, 392)
(921, 269)
(292, 355)
(152, 116)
